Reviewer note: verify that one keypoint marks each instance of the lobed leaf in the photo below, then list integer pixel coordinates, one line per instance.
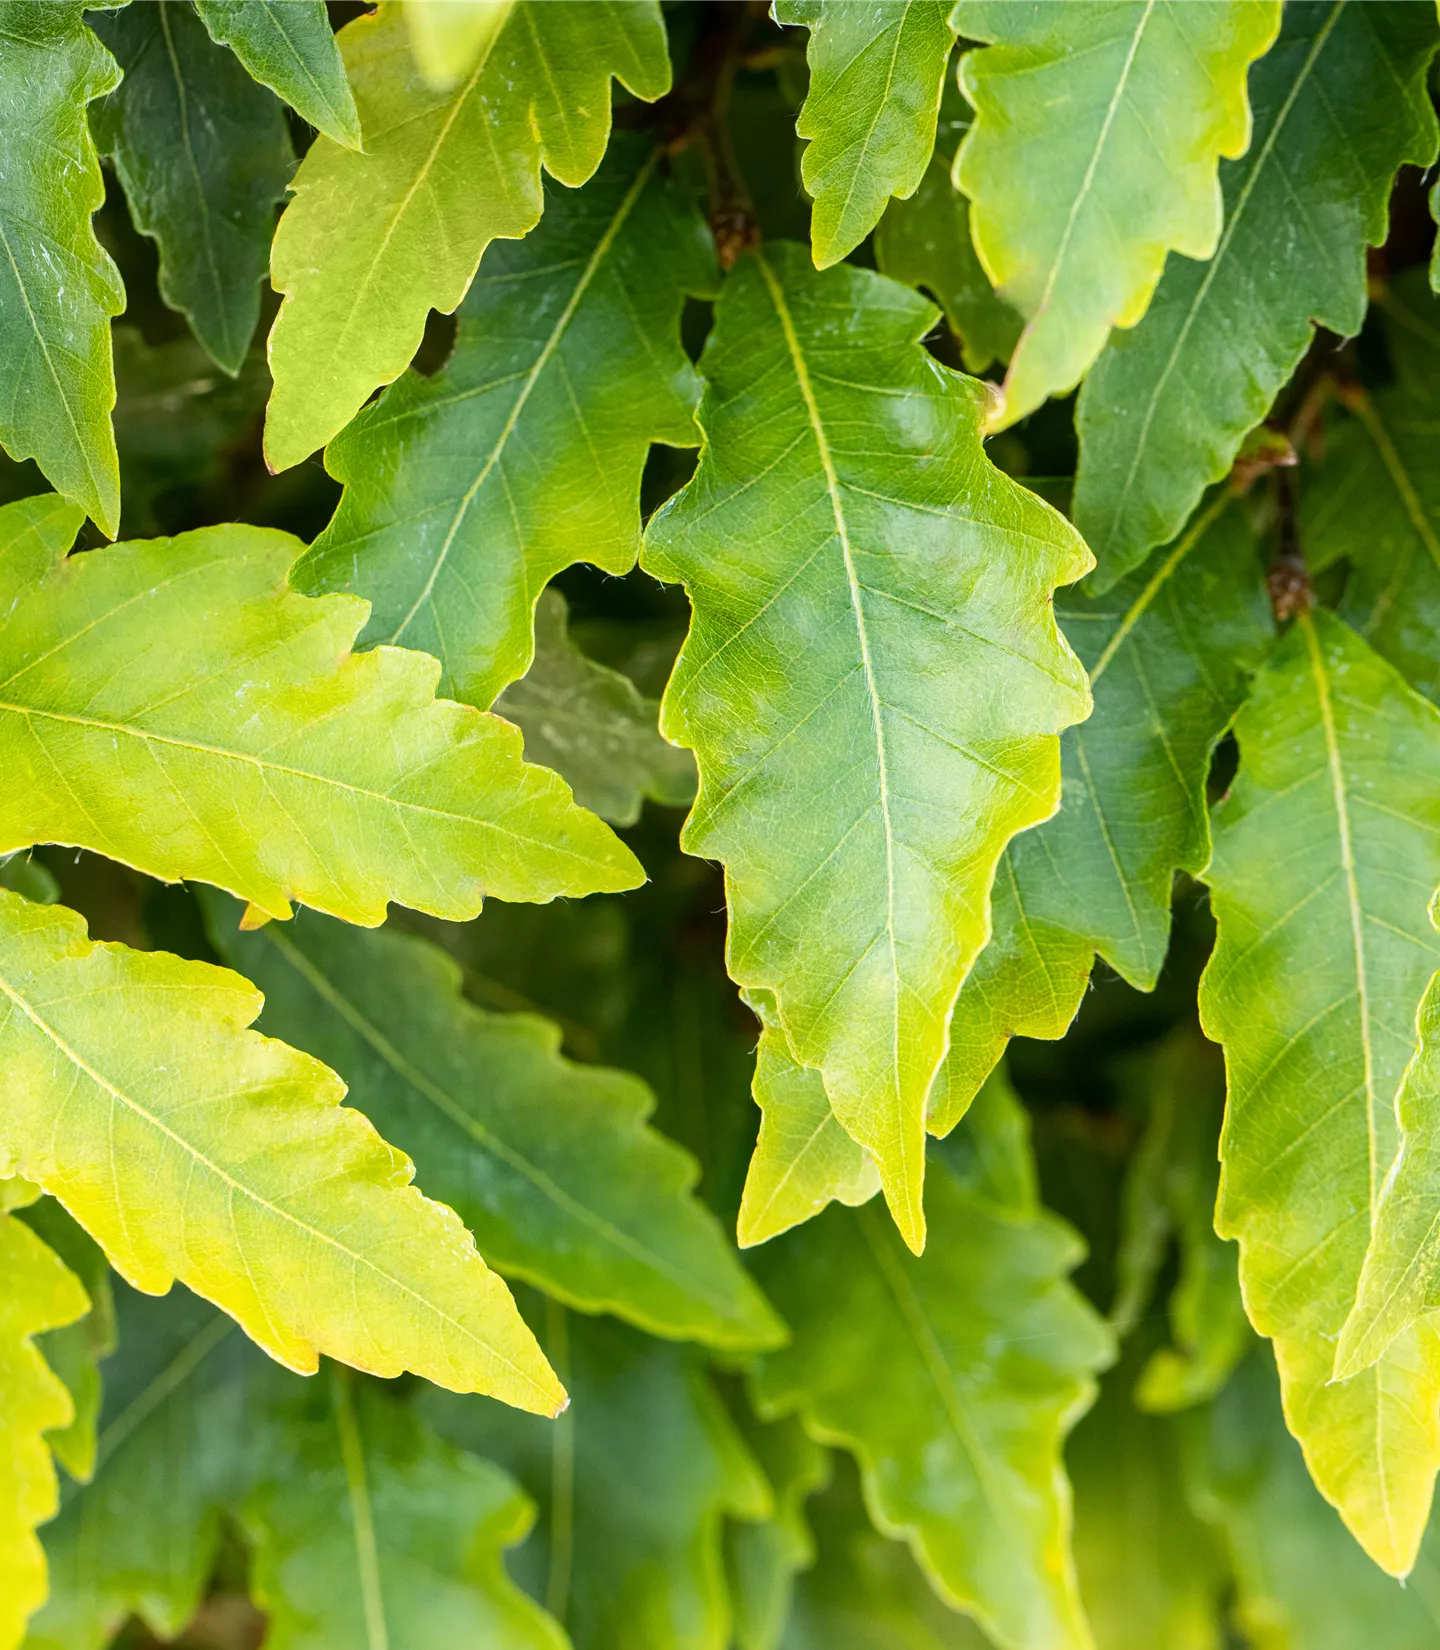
(1165, 410)
(1098, 131)
(289, 46)
(549, 1163)
(953, 1379)
(192, 1148)
(37, 1293)
(466, 492)
(869, 114)
(1327, 852)
(204, 158)
(58, 286)
(372, 242)
(872, 682)
(176, 706)
(1169, 652)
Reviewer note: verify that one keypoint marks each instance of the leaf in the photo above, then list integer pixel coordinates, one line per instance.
(1325, 948)
(371, 243)
(288, 45)
(1167, 406)
(1300, 1580)
(591, 725)
(889, 719)
(1374, 503)
(1169, 652)
(925, 242)
(368, 1529)
(178, 1449)
(763, 1558)
(549, 1163)
(466, 492)
(953, 1379)
(37, 1293)
(875, 77)
(204, 158)
(58, 286)
(74, 1350)
(1098, 131)
(176, 706)
(191, 1148)
(446, 36)
(633, 1481)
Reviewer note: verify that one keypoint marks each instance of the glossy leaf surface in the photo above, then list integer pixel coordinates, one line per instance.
(549, 1163)
(1098, 130)
(1323, 954)
(204, 158)
(175, 705)
(1167, 406)
(135, 1090)
(372, 242)
(58, 287)
(466, 492)
(863, 582)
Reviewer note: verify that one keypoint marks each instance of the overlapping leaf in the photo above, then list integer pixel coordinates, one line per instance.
(1167, 406)
(175, 705)
(1327, 853)
(204, 158)
(764, 1556)
(447, 36)
(58, 287)
(1168, 652)
(634, 1482)
(550, 1164)
(466, 492)
(953, 1378)
(369, 1530)
(372, 242)
(1098, 131)
(192, 1148)
(872, 682)
(37, 1293)
(870, 111)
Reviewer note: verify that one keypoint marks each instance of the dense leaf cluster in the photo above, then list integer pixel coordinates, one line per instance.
(812, 719)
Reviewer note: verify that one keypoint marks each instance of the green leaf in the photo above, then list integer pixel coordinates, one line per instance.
(371, 243)
(888, 720)
(1327, 852)
(925, 242)
(953, 1378)
(74, 1350)
(875, 79)
(1167, 406)
(591, 725)
(466, 492)
(369, 1530)
(204, 158)
(37, 1293)
(176, 706)
(446, 36)
(58, 287)
(288, 45)
(1300, 1580)
(549, 1163)
(1374, 500)
(191, 1148)
(763, 1558)
(634, 1482)
(1169, 652)
(178, 1449)
(1098, 131)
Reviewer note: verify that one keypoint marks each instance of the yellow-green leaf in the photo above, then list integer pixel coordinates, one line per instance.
(37, 1292)
(873, 681)
(372, 242)
(1098, 132)
(1327, 853)
(175, 705)
(190, 1147)
(447, 36)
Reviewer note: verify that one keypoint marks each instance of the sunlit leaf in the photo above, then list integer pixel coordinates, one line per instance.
(447, 36)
